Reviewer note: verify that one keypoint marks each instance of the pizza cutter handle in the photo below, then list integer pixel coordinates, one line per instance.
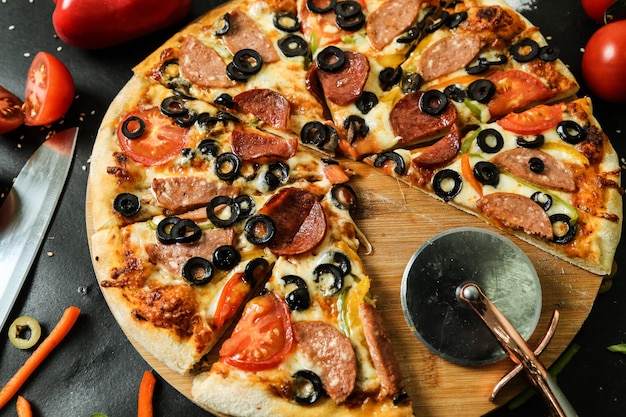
(518, 349)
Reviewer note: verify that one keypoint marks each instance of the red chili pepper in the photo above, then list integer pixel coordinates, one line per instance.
(92, 24)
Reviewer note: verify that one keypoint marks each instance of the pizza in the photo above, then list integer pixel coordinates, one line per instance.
(219, 200)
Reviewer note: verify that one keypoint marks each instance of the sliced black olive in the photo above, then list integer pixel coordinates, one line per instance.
(227, 166)
(223, 117)
(223, 200)
(536, 165)
(571, 132)
(351, 24)
(185, 231)
(207, 120)
(455, 93)
(440, 179)
(307, 387)
(347, 8)
(277, 174)
(481, 66)
(549, 53)
(197, 271)
(343, 196)
(173, 106)
(544, 200)
(490, 141)
(187, 119)
(398, 161)
(366, 102)
(411, 82)
(293, 45)
(501, 59)
(330, 145)
(312, 6)
(456, 19)
(298, 299)
(164, 228)
(412, 34)
(558, 221)
(329, 277)
(248, 61)
(259, 229)
(234, 74)
(343, 262)
(536, 142)
(246, 205)
(127, 204)
(133, 127)
(525, 50)
(487, 173)
(225, 100)
(389, 77)
(438, 23)
(314, 133)
(225, 25)
(188, 153)
(481, 90)
(226, 257)
(287, 22)
(331, 59)
(356, 128)
(255, 271)
(209, 147)
(433, 102)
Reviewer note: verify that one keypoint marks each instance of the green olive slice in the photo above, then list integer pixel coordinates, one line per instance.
(24, 332)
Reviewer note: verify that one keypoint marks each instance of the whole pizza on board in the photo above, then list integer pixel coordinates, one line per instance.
(218, 198)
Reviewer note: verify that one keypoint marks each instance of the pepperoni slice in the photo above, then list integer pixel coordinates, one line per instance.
(389, 20)
(517, 212)
(257, 146)
(268, 105)
(299, 218)
(346, 85)
(201, 65)
(442, 151)
(449, 54)
(412, 124)
(245, 34)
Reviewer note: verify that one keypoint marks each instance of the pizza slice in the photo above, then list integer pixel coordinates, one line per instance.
(549, 175)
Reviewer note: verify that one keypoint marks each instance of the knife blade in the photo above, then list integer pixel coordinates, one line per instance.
(35, 194)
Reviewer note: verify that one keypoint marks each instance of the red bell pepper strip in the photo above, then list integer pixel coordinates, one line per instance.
(94, 24)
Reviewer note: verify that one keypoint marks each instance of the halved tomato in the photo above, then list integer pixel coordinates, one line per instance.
(49, 90)
(11, 116)
(149, 137)
(263, 336)
(515, 90)
(232, 297)
(532, 121)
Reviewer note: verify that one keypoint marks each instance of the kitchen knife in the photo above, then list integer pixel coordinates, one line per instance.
(26, 214)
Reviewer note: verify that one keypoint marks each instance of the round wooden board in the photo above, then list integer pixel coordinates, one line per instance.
(397, 220)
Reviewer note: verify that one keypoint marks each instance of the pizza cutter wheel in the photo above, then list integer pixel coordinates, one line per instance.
(473, 297)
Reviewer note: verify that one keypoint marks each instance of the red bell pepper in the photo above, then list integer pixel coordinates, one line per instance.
(93, 24)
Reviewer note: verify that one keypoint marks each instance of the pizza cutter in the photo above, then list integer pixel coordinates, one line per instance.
(473, 297)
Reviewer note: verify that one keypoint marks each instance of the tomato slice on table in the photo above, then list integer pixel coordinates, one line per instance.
(11, 116)
(149, 137)
(49, 90)
(263, 336)
(532, 121)
(515, 90)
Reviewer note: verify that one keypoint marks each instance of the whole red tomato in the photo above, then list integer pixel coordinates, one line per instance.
(604, 61)
(595, 9)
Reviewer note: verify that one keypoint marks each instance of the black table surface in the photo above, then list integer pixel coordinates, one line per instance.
(96, 369)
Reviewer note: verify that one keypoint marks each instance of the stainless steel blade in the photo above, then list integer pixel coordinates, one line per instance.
(35, 194)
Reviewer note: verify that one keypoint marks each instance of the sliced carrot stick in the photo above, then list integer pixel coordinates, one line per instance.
(146, 389)
(466, 171)
(43, 350)
(23, 407)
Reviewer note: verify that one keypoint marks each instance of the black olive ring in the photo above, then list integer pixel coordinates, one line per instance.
(315, 383)
(189, 271)
(164, 229)
(185, 231)
(356, 126)
(351, 24)
(226, 257)
(227, 159)
(343, 196)
(571, 132)
(246, 205)
(223, 30)
(293, 24)
(484, 143)
(314, 133)
(366, 102)
(343, 262)
(536, 142)
(333, 270)
(251, 230)
(455, 93)
(571, 228)
(544, 200)
(516, 50)
(310, 4)
(208, 147)
(134, 133)
(247, 61)
(481, 90)
(276, 175)
(433, 102)
(398, 161)
(250, 272)
(127, 204)
(293, 45)
(440, 177)
(298, 299)
(331, 59)
(223, 200)
(486, 173)
(347, 8)
(536, 165)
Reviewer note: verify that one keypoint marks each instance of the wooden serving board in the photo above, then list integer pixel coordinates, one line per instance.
(397, 220)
